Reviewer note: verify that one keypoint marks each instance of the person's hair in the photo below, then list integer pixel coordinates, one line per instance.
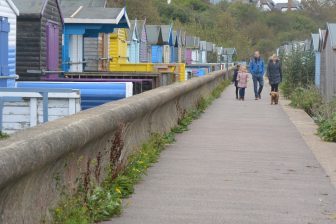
(243, 69)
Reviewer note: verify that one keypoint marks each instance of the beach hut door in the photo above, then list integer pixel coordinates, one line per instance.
(52, 49)
(76, 53)
(4, 30)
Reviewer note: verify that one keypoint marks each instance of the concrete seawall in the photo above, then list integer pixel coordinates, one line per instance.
(35, 162)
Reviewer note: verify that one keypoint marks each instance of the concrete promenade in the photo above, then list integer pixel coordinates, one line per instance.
(241, 162)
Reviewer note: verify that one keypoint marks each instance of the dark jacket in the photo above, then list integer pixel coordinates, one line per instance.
(256, 67)
(235, 75)
(274, 72)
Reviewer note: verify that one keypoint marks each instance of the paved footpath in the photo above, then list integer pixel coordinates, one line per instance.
(241, 162)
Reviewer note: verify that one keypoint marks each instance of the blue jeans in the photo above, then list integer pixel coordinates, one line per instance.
(258, 79)
(242, 93)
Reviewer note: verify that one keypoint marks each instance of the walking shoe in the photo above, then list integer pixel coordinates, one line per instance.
(256, 98)
(259, 97)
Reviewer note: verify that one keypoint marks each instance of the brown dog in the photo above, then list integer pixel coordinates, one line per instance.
(274, 98)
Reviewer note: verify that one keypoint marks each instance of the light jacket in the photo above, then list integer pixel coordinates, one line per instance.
(242, 79)
(257, 67)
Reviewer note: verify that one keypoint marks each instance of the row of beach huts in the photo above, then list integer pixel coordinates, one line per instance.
(58, 57)
(323, 45)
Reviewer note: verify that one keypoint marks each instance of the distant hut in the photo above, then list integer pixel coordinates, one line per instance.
(211, 56)
(189, 46)
(176, 46)
(328, 65)
(39, 38)
(155, 43)
(195, 55)
(133, 42)
(203, 52)
(315, 47)
(83, 25)
(181, 56)
(143, 54)
(8, 14)
(168, 47)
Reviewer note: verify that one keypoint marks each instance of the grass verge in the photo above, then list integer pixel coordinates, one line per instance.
(3, 135)
(102, 202)
(323, 113)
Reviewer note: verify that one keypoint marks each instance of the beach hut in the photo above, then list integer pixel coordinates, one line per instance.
(188, 48)
(328, 65)
(143, 54)
(155, 43)
(176, 47)
(118, 48)
(86, 34)
(133, 42)
(8, 14)
(315, 47)
(203, 52)
(39, 35)
(168, 46)
(195, 53)
(182, 48)
(95, 48)
(211, 56)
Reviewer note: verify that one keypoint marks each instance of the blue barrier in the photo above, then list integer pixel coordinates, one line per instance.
(93, 94)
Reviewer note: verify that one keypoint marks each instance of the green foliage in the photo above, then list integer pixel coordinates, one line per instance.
(298, 71)
(327, 129)
(100, 203)
(234, 24)
(3, 135)
(307, 99)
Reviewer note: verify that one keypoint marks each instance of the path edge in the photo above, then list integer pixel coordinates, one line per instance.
(324, 152)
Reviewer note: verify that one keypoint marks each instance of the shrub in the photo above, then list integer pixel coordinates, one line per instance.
(308, 99)
(327, 129)
(298, 71)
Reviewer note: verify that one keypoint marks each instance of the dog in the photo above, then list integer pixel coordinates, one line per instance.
(274, 98)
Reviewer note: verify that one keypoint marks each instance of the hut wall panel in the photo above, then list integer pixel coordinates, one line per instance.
(6, 11)
(28, 48)
(143, 47)
(317, 69)
(91, 53)
(103, 52)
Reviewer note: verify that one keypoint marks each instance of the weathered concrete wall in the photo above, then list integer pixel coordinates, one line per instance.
(34, 162)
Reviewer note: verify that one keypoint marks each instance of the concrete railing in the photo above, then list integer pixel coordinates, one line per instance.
(35, 161)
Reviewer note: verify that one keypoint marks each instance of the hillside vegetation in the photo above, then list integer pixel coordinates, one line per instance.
(234, 25)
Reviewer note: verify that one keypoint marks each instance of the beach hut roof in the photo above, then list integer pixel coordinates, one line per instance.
(133, 29)
(87, 3)
(154, 34)
(229, 51)
(331, 32)
(29, 7)
(94, 15)
(141, 26)
(166, 33)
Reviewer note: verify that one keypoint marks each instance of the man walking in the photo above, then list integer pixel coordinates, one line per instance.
(257, 70)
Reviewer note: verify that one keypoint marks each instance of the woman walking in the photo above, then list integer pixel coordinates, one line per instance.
(242, 79)
(234, 79)
(274, 74)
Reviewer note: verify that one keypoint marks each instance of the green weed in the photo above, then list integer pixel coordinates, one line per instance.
(100, 203)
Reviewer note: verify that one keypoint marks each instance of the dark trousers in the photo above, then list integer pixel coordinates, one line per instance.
(258, 79)
(237, 90)
(242, 93)
(275, 87)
